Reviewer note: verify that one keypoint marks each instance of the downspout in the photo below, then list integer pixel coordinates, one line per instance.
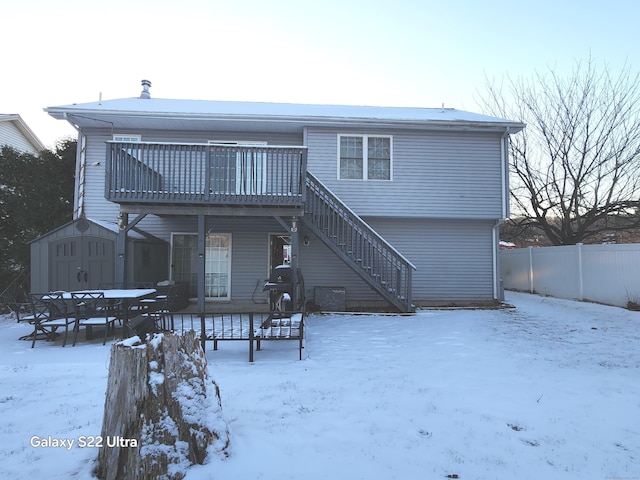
(81, 163)
(201, 265)
(498, 290)
(504, 177)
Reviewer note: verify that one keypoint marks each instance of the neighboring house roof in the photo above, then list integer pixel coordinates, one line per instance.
(285, 117)
(15, 133)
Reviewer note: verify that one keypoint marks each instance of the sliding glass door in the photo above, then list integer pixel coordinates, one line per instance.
(240, 168)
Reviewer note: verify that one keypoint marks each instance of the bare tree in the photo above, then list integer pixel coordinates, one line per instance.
(575, 167)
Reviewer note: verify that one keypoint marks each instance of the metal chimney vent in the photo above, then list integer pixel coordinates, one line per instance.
(145, 89)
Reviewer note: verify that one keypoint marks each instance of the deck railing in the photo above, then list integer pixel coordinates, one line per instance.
(206, 174)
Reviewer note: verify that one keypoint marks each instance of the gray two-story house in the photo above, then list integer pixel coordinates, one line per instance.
(384, 207)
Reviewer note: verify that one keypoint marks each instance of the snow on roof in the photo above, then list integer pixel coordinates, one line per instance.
(157, 107)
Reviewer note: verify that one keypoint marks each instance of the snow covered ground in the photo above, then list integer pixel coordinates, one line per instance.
(549, 389)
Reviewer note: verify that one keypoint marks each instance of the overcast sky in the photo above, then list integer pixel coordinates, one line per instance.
(363, 52)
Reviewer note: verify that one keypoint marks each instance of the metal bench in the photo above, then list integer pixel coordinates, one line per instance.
(251, 327)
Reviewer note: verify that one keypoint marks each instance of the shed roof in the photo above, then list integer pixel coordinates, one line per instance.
(110, 228)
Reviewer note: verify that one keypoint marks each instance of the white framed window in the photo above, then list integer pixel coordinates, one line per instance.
(365, 157)
(127, 138)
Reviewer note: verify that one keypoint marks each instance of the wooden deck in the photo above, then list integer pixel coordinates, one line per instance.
(205, 174)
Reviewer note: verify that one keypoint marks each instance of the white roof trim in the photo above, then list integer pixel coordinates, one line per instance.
(275, 112)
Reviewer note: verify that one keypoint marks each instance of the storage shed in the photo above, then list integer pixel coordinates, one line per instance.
(81, 255)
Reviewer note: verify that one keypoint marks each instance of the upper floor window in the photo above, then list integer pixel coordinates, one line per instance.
(364, 157)
(127, 138)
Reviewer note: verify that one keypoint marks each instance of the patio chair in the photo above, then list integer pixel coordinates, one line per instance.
(50, 312)
(160, 309)
(93, 310)
(144, 305)
(22, 311)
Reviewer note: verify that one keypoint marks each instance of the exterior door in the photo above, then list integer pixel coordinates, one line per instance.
(240, 172)
(217, 270)
(184, 255)
(279, 250)
(251, 176)
(80, 262)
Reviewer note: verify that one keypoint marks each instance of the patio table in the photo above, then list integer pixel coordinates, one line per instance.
(127, 295)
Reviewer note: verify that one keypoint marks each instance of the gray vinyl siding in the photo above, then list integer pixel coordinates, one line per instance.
(453, 258)
(435, 174)
(438, 211)
(322, 268)
(95, 205)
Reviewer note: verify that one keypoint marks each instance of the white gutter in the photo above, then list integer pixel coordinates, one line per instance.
(496, 261)
(504, 181)
(81, 163)
(78, 211)
(504, 169)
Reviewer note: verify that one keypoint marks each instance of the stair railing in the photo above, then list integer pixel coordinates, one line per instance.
(359, 245)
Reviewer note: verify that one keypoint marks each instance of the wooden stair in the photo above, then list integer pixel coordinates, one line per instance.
(358, 245)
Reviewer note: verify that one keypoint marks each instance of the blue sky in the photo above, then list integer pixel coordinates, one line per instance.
(370, 52)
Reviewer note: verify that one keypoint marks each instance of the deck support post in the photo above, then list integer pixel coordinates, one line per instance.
(121, 249)
(121, 245)
(202, 242)
(294, 263)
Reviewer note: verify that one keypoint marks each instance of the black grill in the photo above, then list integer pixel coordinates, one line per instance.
(280, 287)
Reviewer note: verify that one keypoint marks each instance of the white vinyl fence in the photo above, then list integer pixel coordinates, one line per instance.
(608, 274)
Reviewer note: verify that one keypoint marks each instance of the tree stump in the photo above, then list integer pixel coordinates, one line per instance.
(162, 412)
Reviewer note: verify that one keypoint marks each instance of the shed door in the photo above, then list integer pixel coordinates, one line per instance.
(81, 262)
